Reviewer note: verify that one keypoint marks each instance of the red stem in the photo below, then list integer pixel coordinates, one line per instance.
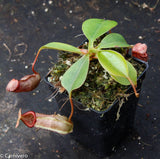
(35, 61)
(72, 108)
(133, 86)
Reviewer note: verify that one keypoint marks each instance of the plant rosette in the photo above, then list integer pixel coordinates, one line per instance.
(90, 74)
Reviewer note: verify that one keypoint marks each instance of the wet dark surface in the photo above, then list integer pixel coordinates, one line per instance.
(25, 26)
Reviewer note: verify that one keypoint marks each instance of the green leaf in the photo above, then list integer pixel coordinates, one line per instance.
(61, 46)
(75, 76)
(113, 62)
(94, 28)
(113, 40)
(132, 73)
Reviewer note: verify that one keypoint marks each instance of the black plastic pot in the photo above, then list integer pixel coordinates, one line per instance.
(99, 131)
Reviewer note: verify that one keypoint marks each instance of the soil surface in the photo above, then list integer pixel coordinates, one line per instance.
(99, 90)
(27, 25)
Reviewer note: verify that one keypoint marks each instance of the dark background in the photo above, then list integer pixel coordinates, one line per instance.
(25, 25)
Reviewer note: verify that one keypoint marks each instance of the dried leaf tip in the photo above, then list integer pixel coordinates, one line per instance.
(19, 117)
(137, 95)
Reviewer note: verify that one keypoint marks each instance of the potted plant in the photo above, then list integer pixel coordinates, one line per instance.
(100, 74)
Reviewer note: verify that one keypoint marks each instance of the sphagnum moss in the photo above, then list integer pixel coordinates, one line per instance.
(99, 90)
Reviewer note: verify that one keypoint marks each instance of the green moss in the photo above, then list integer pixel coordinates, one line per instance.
(99, 90)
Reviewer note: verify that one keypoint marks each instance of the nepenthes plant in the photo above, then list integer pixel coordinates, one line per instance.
(112, 61)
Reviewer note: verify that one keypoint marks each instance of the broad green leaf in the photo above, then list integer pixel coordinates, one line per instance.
(61, 46)
(94, 28)
(113, 62)
(132, 74)
(75, 76)
(113, 40)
